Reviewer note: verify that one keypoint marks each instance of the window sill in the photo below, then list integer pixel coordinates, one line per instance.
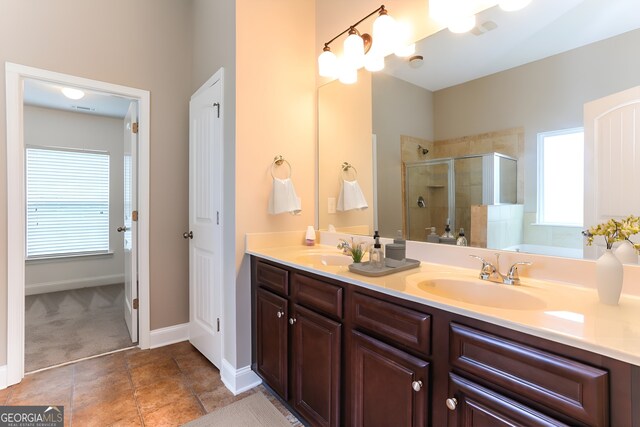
(548, 224)
(68, 257)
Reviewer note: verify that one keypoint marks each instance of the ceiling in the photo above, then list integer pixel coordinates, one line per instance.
(49, 95)
(542, 29)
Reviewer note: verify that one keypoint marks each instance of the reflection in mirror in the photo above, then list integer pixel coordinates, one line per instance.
(482, 94)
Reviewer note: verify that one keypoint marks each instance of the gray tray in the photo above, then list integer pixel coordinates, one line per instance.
(391, 266)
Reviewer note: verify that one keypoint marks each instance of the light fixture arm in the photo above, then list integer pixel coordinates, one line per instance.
(380, 10)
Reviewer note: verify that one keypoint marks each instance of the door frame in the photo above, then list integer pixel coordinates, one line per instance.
(15, 75)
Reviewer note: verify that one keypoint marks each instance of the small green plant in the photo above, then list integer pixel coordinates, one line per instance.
(354, 249)
(615, 231)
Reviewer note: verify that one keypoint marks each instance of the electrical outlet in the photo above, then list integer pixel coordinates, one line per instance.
(331, 205)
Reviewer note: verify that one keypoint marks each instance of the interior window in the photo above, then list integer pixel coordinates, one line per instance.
(561, 177)
(67, 202)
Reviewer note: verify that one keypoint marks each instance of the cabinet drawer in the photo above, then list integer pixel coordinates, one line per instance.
(397, 324)
(273, 278)
(567, 387)
(318, 295)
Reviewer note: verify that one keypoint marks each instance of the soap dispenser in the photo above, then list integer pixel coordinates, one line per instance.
(462, 240)
(376, 257)
(433, 237)
(396, 250)
(448, 237)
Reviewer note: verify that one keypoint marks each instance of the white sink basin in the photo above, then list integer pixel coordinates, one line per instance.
(479, 292)
(324, 259)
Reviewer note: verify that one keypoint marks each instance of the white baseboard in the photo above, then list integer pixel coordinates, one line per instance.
(169, 335)
(238, 380)
(3, 377)
(67, 285)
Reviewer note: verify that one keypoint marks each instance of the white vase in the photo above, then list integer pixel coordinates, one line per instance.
(626, 253)
(609, 278)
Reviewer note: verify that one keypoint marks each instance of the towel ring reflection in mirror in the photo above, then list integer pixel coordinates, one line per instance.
(279, 161)
(345, 171)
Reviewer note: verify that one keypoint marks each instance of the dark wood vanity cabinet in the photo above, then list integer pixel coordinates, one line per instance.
(341, 354)
(298, 340)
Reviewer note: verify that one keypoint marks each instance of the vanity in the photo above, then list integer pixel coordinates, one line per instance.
(343, 349)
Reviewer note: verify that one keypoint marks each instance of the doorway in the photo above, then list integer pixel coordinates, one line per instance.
(17, 156)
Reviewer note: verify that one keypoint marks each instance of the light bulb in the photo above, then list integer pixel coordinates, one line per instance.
(403, 46)
(354, 50)
(513, 5)
(373, 62)
(406, 50)
(72, 93)
(347, 74)
(462, 24)
(328, 64)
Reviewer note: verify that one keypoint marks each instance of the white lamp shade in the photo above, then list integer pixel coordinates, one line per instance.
(373, 62)
(347, 74)
(328, 64)
(462, 24)
(406, 50)
(384, 35)
(354, 51)
(513, 5)
(72, 93)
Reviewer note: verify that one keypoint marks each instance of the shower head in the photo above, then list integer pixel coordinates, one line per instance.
(422, 150)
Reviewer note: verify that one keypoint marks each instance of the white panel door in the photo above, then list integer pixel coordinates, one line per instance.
(612, 158)
(205, 222)
(130, 229)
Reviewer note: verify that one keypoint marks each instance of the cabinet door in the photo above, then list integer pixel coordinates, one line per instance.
(472, 405)
(271, 340)
(382, 385)
(316, 367)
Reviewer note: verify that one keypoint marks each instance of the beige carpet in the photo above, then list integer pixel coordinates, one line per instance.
(69, 325)
(252, 411)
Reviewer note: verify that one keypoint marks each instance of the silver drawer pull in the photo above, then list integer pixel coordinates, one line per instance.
(416, 385)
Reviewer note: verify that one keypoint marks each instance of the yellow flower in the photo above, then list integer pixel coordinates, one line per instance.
(615, 231)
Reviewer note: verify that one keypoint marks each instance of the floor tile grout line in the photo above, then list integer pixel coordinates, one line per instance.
(190, 386)
(71, 362)
(133, 387)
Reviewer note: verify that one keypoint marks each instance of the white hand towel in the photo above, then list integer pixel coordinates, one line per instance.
(351, 197)
(283, 198)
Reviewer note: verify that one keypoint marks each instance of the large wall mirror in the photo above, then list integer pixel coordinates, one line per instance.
(474, 133)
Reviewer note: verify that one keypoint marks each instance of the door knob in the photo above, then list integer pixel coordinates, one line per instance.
(416, 385)
(280, 314)
(452, 402)
(188, 235)
(292, 320)
(121, 229)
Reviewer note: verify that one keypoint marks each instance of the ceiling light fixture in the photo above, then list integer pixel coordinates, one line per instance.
(513, 5)
(72, 93)
(366, 50)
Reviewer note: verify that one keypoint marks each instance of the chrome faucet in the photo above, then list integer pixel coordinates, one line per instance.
(492, 273)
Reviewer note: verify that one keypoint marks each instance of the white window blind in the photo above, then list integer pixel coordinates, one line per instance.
(67, 202)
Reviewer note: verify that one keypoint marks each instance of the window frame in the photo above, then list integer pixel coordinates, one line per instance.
(540, 220)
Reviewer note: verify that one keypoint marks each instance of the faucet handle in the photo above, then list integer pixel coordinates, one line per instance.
(487, 268)
(512, 277)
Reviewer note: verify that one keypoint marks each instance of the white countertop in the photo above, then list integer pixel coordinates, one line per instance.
(566, 314)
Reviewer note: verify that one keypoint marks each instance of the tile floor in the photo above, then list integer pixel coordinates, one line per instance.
(167, 386)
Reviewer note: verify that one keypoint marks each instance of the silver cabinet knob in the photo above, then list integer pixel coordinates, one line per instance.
(121, 229)
(292, 320)
(188, 235)
(280, 314)
(416, 385)
(452, 402)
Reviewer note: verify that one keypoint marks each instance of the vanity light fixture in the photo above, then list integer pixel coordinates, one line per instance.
(72, 93)
(513, 5)
(364, 50)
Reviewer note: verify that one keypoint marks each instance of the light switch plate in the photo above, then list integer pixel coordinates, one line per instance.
(331, 205)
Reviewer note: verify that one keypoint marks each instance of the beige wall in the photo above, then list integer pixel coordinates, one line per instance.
(275, 114)
(344, 135)
(45, 127)
(144, 44)
(399, 108)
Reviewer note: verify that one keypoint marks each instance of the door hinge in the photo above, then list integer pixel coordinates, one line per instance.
(134, 216)
(217, 217)
(135, 304)
(134, 127)
(218, 324)
(217, 105)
